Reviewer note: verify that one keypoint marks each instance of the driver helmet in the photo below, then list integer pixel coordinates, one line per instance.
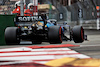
(48, 21)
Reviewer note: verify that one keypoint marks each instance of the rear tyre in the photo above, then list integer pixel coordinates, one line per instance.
(78, 34)
(55, 34)
(12, 36)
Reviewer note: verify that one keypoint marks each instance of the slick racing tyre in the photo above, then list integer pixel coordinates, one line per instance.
(55, 34)
(11, 36)
(78, 34)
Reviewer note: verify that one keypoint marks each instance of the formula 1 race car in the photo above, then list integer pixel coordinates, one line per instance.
(30, 28)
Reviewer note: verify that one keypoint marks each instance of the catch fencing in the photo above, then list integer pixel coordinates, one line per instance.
(88, 10)
(80, 13)
(7, 6)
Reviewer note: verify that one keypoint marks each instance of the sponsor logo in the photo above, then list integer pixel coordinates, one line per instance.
(28, 19)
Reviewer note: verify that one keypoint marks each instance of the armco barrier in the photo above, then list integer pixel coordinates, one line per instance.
(5, 20)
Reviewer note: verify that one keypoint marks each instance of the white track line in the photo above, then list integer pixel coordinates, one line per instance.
(89, 45)
(37, 55)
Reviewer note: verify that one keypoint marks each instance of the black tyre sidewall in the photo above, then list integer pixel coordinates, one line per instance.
(78, 34)
(11, 34)
(55, 34)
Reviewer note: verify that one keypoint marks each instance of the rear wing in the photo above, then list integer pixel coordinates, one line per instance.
(41, 17)
(28, 19)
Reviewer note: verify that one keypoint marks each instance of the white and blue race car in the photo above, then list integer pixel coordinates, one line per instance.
(38, 29)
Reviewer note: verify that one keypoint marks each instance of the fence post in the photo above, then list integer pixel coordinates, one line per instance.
(98, 15)
(69, 2)
(80, 16)
(35, 3)
(22, 8)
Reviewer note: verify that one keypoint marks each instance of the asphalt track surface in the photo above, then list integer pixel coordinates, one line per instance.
(91, 47)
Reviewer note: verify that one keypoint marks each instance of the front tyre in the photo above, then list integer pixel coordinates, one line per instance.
(78, 34)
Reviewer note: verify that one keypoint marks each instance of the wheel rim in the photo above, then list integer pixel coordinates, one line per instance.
(82, 34)
(60, 34)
